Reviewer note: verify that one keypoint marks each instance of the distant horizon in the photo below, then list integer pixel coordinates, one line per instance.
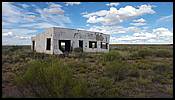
(109, 44)
(125, 22)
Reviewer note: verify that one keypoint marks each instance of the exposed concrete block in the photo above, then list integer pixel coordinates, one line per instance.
(69, 35)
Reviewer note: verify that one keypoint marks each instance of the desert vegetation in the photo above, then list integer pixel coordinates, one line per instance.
(126, 71)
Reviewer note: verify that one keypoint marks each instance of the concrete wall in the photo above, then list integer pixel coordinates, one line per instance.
(57, 34)
(76, 35)
(40, 41)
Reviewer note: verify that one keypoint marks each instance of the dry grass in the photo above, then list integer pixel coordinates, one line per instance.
(128, 71)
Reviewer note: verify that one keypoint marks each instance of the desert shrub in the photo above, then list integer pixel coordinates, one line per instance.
(124, 55)
(113, 93)
(144, 81)
(161, 79)
(40, 56)
(111, 56)
(169, 90)
(151, 52)
(117, 70)
(81, 55)
(51, 79)
(145, 52)
(134, 72)
(134, 55)
(100, 87)
(143, 65)
(141, 53)
(161, 68)
(82, 67)
(104, 82)
(80, 89)
(14, 48)
(105, 86)
(163, 53)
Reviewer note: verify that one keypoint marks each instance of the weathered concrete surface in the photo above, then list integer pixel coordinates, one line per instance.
(57, 34)
(40, 41)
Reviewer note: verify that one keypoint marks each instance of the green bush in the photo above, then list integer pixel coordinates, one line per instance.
(145, 52)
(51, 79)
(117, 70)
(151, 52)
(111, 56)
(142, 53)
(161, 68)
(163, 53)
(15, 48)
(144, 81)
(143, 65)
(160, 79)
(134, 55)
(80, 89)
(92, 74)
(134, 72)
(100, 88)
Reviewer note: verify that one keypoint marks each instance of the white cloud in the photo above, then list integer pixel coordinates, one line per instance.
(15, 17)
(81, 29)
(99, 13)
(72, 3)
(156, 36)
(11, 12)
(9, 9)
(114, 29)
(162, 32)
(25, 5)
(12, 15)
(19, 24)
(20, 31)
(53, 9)
(54, 15)
(165, 19)
(39, 25)
(7, 34)
(113, 4)
(54, 5)
(43, 25)
(138, 35)
(139, 22)
(20, 21)
(17, 34)
(23, 37)
(114, 16)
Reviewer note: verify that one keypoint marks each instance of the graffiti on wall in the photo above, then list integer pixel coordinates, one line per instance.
(99, 37)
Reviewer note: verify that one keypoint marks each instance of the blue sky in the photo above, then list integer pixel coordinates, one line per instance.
(126, 22)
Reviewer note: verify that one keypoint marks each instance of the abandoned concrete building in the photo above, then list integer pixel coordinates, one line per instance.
(57, 40)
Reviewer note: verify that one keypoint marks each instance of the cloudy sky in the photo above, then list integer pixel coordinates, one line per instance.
(126, 22)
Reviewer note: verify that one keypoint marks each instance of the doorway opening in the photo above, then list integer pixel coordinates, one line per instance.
(64, 45)
(33, 45)
(81, 43)
(48, 44)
